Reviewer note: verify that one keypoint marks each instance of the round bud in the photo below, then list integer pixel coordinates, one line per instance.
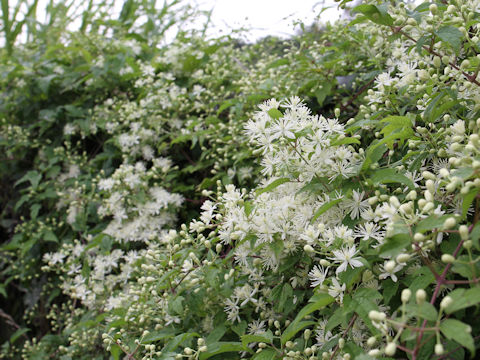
(439, 349)
(448, 259)
(371, 341)
(406, 294)
(449, 223)
(446, 302)
(390, 349)
(389, 266)
(420, 296)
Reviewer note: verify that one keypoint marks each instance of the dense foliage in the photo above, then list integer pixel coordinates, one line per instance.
(313, 198)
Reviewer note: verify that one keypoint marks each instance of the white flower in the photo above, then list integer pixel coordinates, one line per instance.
(318, 275)
(345, 257)
(385, 273)
(369, 230)
(336, 291)
(356, 205)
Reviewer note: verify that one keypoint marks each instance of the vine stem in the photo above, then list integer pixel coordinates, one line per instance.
(350, 324)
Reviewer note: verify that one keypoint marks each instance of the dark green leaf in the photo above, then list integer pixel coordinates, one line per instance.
(451, 35)
(458, 331)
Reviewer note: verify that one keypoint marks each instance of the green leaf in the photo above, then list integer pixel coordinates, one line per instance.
(294, 328)
(317, 302)
(222, 347)
(2, 290)
(275, 113)
(274, 184)
(34, 211)
(388, 176)
(431, 222)
(463, 298)
(373, 153)
(467, 201)
(376, 14)
(49, 235)
(266, 337)
(458, 331)
(17, 334)
(451, 35)
(345, 141)
(32, 176)
(324, 208)
(390, 289)
(425, 311)
(158, 335)
(395, 245)
(286, 293)
(216, 334)
(322, 92)
(240, 328)
(266, 354)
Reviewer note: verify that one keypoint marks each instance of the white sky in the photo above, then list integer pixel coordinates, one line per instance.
(262, 17)
(267, 17)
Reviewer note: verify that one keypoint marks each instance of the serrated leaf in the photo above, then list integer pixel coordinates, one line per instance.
(463, 298)
(274, 184)
(425, 311)
(458, 331)
(451, 35)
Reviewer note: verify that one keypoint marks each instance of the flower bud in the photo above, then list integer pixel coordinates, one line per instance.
(389, 266)
(448, 259)
(375, 352)
(402, 258)
(463, 230)
(449, 223)
(420, 296)
(341, 343)
(308, 249)
(439, 349)
(371, 341)
(390, 349)
(418, 237)
(406, 294)
(446, 302)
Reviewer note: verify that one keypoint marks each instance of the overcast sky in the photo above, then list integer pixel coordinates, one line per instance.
(267, 17)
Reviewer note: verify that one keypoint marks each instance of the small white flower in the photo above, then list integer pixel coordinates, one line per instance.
(318, 275)
(345, 257)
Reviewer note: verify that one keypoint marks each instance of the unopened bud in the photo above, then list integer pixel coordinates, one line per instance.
(420, 296)
(448, 259)
(390, 349)
(439, 349)
(449, 223)
(446, 302)
(463, 230)
(406, 294)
